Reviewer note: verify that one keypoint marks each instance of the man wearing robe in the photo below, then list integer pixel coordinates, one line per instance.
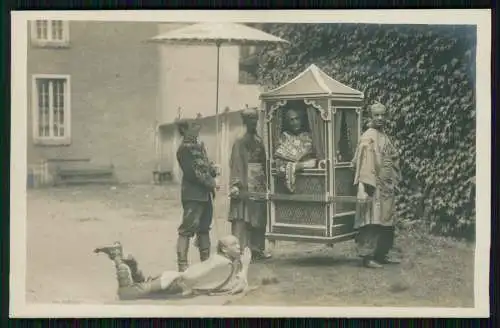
(377, 177)
(197, 191)
(222, 274)
(248, 215)
(294, 150)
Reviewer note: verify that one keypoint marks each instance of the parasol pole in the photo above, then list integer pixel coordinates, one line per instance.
(217, 105)
(217, 137)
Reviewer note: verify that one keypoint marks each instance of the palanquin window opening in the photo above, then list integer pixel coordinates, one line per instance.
(312, 123)
(345, 134)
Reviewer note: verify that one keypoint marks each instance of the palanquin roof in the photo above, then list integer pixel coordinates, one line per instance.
(313, 83)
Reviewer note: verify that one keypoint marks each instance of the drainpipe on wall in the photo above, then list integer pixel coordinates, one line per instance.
(157, 145)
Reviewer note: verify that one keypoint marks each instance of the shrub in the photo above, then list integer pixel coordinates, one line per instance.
(425, 75)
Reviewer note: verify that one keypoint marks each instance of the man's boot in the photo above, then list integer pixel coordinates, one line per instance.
(385, 244)
(369, 262)
(111, 251)
(124, 273)
(182, 253)
(258, 244)
(204, 246)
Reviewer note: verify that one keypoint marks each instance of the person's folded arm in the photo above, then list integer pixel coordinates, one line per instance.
(195, 167)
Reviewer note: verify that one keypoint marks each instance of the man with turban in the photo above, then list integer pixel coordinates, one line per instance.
(248, 214)
(377, 176)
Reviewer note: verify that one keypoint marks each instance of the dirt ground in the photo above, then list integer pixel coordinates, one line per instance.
(66, 224)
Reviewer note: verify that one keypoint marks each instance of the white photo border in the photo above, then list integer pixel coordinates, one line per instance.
(19, 42)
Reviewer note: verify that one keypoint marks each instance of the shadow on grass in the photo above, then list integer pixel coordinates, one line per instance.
(158, 296)
(312, 261)
(89, 219)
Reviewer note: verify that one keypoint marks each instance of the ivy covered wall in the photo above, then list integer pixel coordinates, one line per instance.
(425, 75)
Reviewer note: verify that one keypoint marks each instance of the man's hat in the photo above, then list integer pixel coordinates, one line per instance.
(377, 108)
(249, 113)
(187, 123)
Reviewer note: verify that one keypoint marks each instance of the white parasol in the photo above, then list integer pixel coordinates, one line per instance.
(217, 34)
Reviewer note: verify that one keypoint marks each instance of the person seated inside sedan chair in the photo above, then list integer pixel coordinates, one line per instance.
(294, 150)
(224, 273)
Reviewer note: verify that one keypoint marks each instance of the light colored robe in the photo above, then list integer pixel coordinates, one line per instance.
(377, 165)
(216, 276)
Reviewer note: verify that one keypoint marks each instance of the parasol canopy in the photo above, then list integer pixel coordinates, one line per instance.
(217, 34)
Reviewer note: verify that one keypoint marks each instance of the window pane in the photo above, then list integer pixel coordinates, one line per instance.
(58, 110)
(51, 106)
(55, 109)
(54, 30)
(57, 30)
(41, 27)
(38, 30)
(60, 31)
(43, 107)
(61, 103)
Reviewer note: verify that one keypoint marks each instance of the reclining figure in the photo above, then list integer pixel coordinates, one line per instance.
(223, 273)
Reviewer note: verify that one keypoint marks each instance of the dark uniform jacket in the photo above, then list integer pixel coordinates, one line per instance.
(198, 180)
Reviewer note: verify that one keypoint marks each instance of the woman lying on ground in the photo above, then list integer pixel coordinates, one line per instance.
(223, 273)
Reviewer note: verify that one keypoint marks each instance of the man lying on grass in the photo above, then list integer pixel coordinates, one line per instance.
(224, 273)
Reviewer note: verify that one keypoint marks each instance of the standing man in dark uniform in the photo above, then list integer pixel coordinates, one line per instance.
(248, 216)
(197, 192)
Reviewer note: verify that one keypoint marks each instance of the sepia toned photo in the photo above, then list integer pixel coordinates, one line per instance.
(236, 164)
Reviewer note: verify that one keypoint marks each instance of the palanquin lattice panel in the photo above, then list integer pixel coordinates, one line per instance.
(304, 184)
(301, 212)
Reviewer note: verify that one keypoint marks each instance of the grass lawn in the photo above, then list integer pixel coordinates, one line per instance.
(65, 224)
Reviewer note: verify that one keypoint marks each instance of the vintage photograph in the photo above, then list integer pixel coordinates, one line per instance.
(251, 163)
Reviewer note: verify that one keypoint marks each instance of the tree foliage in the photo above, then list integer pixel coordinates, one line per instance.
(425, 75)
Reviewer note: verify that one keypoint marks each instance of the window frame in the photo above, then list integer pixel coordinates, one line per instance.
(49, 42)
(35, 110)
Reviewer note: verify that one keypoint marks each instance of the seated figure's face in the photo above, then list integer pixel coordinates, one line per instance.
(293, 121)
